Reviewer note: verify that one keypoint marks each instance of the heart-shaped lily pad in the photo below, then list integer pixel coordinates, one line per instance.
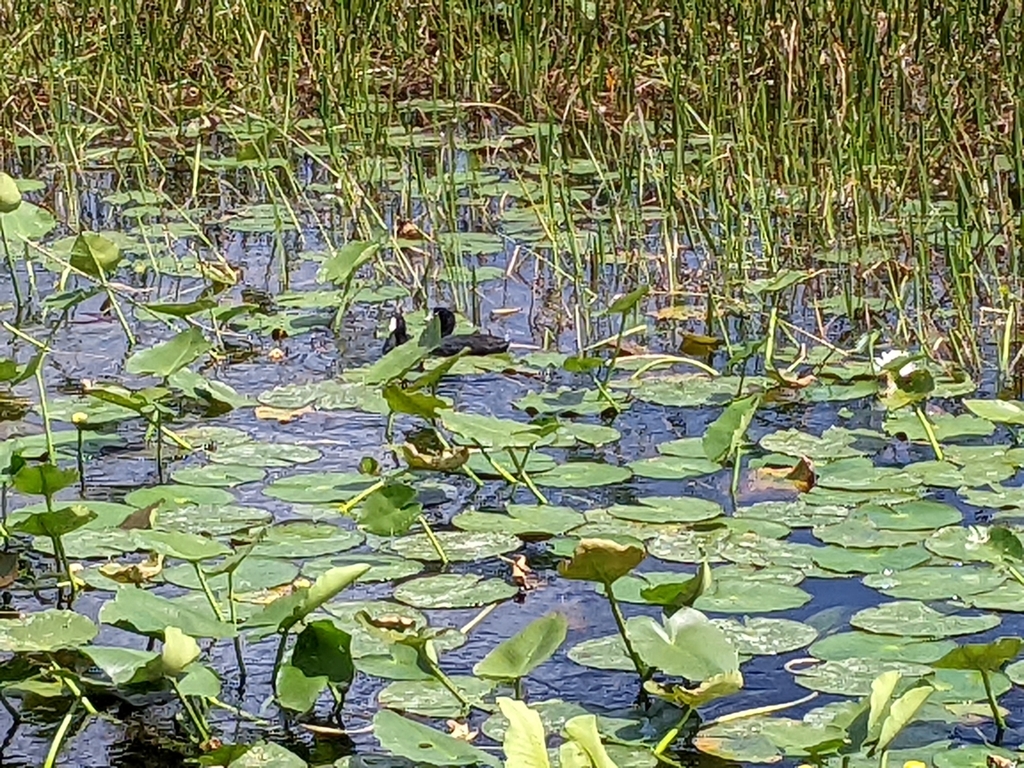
(459, 546)
(453, 590)
(914, 619)
(668, 509)
(584, 474)
(936, 582)
(766, 637)
(867, 645)
(218, 475)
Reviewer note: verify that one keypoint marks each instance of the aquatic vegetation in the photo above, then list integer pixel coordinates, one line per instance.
(755, 438)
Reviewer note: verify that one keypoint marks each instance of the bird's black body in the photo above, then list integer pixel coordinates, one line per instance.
(451, 343)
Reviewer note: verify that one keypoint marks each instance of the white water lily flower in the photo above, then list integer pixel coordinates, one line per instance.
(887, 357)
(907, 369)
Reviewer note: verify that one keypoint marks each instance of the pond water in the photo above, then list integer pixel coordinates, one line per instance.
(805, 559)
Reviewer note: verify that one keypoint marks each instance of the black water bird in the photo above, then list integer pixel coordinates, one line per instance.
(398, 334)
(476, 343)
(451, 343)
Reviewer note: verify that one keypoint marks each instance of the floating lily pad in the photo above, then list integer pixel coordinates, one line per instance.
(46, 632)
(534, 464)
(920, 515)
(835, 443)
(728, 596)
(459, 546)
(584, 474)
(766, 637)
(946, 426)
(253, 454)
(842, 560)
(553, 715)
(628, 588)
(382, 567)
(1007, 597)
(607, 652)
(999, 497)
(453, 590)
(521, 520)
(857, 644)
(424, 745)
(219, 520)
(936, 582)
(914, 619)
(853, 676)
(673, 467)
(774, 574)
(177, 496)
(254, 573)
(306, 539)
(668, 509)
(430, 698)
(860, 533)
(318, 487)
(218, 475)
(859, 474)
(146, 613)
(966, 544)
(795, 514)
(573, 433)
(752, 549)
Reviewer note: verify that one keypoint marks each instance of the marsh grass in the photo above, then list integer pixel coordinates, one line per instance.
(725, 142)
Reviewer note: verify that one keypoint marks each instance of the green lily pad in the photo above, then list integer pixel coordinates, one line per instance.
(795, 514)
(964, 544)
(220, 520)
(218, 475)
(146, 613)
(628, 588)
(857, 644)
(177, 496)
(453, 590)
(573, 433)
(729, 596)
(834, 443)
(1007, 597)
(382, 567)
(914, 619)
(860, 533)
(305, 539)
(459, 546)
(254, 573)
(936, 582)
(607, 653)
(859, 474)
(318, 487)
(766, 637)
(668, 509)
(423, 745)
(946, 426)
(535, 463)
(46, 632)
(853, 676)
(253, 454)
(920, 515)
(752, 549)
(673, 467)
(584, 474)
(521, 520)
(429, 698)
(842, 560)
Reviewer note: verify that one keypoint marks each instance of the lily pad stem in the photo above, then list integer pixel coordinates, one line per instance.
(997, 715)
(233, 617)
(521, 469)
(446, 681)
(58, 738)
(208, 592)
(620, 622)
(448, 447)
(62, 558)
(159, 447)
(673, 734)
(434, 541)
(360, 497)
(197, 721)
(44, 410)
(505, 474)
(930, 432)
(10, 265)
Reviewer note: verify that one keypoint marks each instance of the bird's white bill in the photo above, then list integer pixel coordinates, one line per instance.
(393, 325)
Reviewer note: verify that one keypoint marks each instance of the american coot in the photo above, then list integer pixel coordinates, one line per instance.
(451, 343)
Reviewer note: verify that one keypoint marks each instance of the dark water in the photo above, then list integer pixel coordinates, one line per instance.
(93, 347)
